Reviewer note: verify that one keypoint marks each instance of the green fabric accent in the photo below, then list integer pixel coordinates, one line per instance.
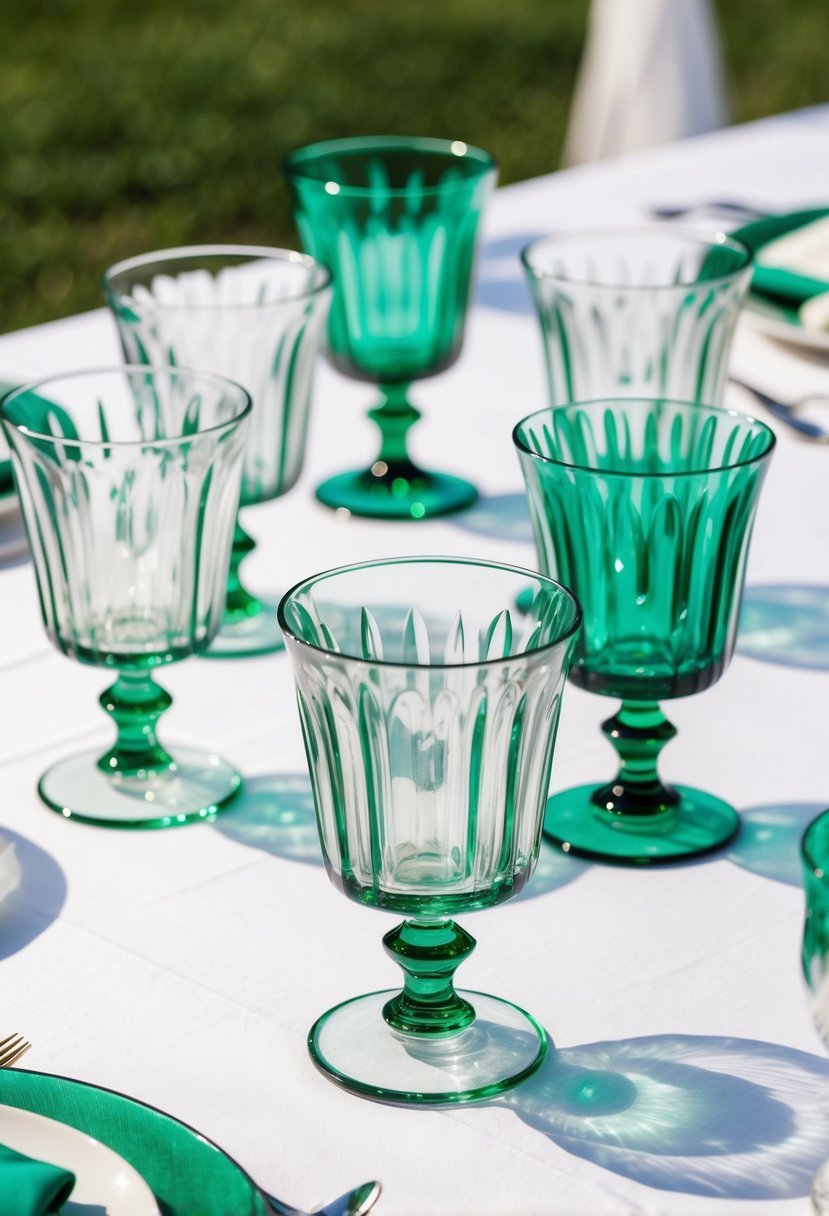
(784, 286)
(31, 1188)
(188, 1175)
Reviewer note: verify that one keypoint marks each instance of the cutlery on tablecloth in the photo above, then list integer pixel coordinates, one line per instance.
(12, 1048)
(355, 1203)
(791, 412)
(708, 207)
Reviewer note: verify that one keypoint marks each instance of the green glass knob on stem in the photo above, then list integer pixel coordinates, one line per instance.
(638, 732)
(240, 604)
(135, 703)
(429, 953)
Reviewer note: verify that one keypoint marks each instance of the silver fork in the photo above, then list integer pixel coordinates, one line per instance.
(12, 1048)
(355, 1203)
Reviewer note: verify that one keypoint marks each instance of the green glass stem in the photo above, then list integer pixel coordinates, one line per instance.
(429, 953)
(638, 732)
(395, 415)
(135, 703)
(240, 605)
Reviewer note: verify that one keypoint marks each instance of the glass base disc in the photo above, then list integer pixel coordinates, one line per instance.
(355, 1048)
(699, 824)
(420, 497)
(201, 785)
(252, 635)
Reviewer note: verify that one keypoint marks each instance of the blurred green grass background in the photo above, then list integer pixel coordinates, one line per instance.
(130, 127)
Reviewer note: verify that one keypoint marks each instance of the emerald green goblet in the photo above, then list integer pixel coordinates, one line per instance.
(129, 482)
(814, 854)
(644, 508)
(429, 713)
(255, 315)
(396, 220)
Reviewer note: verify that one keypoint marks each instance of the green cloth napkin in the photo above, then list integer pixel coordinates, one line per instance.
(29, 1187)
(783, 286)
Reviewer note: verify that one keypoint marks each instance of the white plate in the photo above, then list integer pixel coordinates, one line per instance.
(768, 319)
(104, 1183)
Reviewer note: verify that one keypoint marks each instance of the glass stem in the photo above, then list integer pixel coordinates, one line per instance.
(395, 415)
(638, 732)
(429, 953)
(135, 703)
(240, 604)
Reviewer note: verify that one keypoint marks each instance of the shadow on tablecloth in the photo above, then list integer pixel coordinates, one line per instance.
(502, 516)
(32, 892)
(275, 813)
(500, 282)
(725, 1117)
(769, 839)
(787, 624)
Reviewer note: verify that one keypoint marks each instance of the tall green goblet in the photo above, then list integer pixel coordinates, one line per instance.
(814, 855)
(129, 482)
(396, 220)
(429, 715)
(645, 509)
(255, 315)
(637, 312)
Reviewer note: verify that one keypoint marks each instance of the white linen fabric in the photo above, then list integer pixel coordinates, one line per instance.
(185, 967)
(651, 73)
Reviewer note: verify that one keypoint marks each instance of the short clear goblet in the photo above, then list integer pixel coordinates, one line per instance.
(429, 713)
(644, 508)
(396, 218)
(129, 482)
(255, 315)
(637, 312)
(814, 855)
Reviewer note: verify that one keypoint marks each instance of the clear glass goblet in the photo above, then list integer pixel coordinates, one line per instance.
(637, 312)
(814, 855)
(129, 482)
(396, 219)
(429, 713)
(644, 508)
(255, 315)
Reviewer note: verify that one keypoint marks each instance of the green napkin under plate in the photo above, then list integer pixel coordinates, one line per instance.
(31, 1188)
(786, 287)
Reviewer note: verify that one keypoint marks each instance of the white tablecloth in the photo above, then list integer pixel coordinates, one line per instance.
(185, 967)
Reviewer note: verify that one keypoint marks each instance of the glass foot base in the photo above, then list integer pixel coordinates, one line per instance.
(420, 497)
(699, 824)
(252, 635)
(355, 1047)
(201, 785)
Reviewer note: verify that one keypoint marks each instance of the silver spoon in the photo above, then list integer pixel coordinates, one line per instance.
(714, 207)
(355, 1203)
(793, 413)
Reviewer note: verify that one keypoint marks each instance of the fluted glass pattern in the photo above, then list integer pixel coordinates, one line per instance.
(638, 313)
(253, 315)
(645, 509)
(396, 220)
(429, 710)
(815, 956)
(129, 481)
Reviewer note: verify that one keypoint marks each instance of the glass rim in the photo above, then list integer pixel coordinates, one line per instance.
(421, 559)
(738, 415)
(252, 253)
(452, 149)
(716, 239)
(819, 871)
(128, 368)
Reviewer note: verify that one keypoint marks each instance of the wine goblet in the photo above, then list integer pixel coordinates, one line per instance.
(644, 508)
(637, 312)
(129, 482)
(396, 219)
(429, 715)
(252, 314)
(814, 856)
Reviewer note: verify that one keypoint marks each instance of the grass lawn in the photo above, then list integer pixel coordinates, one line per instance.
(130, 127)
